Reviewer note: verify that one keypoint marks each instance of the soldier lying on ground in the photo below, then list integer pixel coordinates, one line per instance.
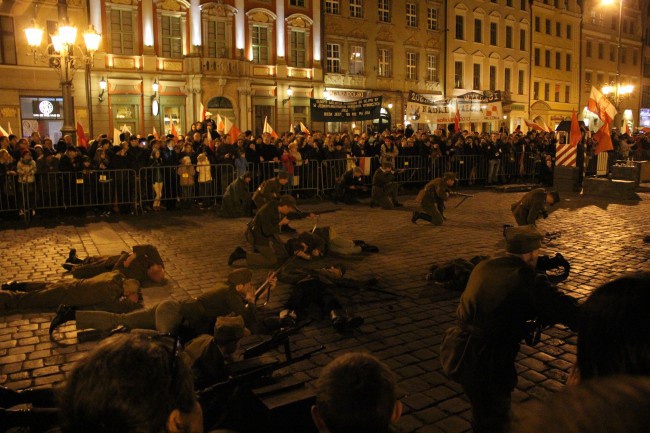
(143, 264)
(316, 287)
(110, 291)
(197, 315)
(325, 241)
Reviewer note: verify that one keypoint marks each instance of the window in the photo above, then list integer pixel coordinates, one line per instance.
(172, 42)
(476, 81)
(507, 77)
(411, 14)
(558, 29)
(478, 31)
(537, 24)
(547, 58)
(612, 53)
(383, 10)
(623, 55)
(588, 48)
(509, 3)
(547, 92)
(536, 90)
(300, 3)
(217, 47)
(334, 58)
(588, 78)
(356, 9)
(646, 96)
(635, 57)
(522, 40)
(508, 36)
(332, 7)
(458, 75)
(522, 4)
(411, 66)
(548, 27)
(601, 50)
(600, 80)
(298, 49)
(557, 93)
(121, 31)
(493, 77)
(593, 17)
(567, 93)
(432, 67)
(568, 31)
(384, 58)
(7, 41)
(646, 68)
(567, 65)
(493, 33)
(260, 42)
(521, 83)
(432, 19)
(558, 60)
(614, 23)
(357, 60)
(460, 30)
(537, 56)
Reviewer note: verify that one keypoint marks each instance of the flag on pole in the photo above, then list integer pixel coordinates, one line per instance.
(532, 125)
(600, 106)
(543, 124)
(603, 139)
(9, 128)
(174, 132)
(116, 137)
(155, 133)
(304, 129)
(575, 134)
(268, 129)
(234, 134)
(3, 133)
(81, 137)
(221, 126)
(364, 163)
(203, 111)
(457, 119)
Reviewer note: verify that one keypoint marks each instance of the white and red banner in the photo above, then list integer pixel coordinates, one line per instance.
(470, 107)
(601, 106)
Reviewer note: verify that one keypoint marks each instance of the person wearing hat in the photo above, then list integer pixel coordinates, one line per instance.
(384, 187)
(236, 202)
(433, 197)
(533, 205)
(192, 316)
(110, 291)
(270, 189)
(208, 121)
(502, 296)
(262, 233)
(207, 354)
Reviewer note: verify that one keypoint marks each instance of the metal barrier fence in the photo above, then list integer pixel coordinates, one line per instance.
(9, 193)
(305, 176)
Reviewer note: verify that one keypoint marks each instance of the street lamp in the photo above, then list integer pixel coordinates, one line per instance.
(64, 60)
(617, 98)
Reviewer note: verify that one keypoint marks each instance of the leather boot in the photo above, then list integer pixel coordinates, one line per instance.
(72, 257)
(13, 286)
(339, 320)
(64, 314)
(238, 254)
(415, 217)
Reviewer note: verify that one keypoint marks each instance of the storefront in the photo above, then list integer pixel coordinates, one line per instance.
(43, 115)
(644, 118)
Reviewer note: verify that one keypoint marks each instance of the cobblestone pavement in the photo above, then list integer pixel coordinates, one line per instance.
(601, 239)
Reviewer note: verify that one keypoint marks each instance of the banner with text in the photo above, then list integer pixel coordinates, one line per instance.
(472, 106)
(323, 110)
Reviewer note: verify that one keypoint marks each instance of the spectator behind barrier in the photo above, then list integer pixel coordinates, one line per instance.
(130, 383)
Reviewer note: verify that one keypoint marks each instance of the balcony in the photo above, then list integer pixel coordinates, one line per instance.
(346, 80)
(225, 67)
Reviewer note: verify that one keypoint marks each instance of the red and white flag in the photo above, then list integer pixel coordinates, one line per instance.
(603, 139)
(364, 163)
(174, 132)
(3, 133)
(304, 129)
(81, 137)
(155, 133)
(268, 129)
(532, 125)
(221, 126)
(457, 119)
(203, 111)
(600, 106)
(9, 128)
(576, 134)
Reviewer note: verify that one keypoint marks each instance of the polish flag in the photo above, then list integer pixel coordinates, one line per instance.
(81, 137)
(267, 128)
(9, 128)
(174, 133)
(203, 111)
(116, 137)
(600, 106)
(457, 120)
(155, 133)
(603, 139)
(3, 133)
(304, 129)
(221, 126)
(364, 163)
(576, 134)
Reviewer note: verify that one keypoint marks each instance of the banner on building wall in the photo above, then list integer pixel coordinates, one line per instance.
(472, 106)
(323, 110)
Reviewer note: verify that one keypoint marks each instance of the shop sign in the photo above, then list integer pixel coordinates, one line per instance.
(46, 109)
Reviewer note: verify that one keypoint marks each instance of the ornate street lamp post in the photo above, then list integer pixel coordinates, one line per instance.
(616, 92)
(65, 61)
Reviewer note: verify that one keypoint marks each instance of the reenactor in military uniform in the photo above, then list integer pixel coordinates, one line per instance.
(110, 291)
(434, 195)
(270, 189)
(533, 205)
(197, 315)
(502, 295)
(325, 241)
(236, 200)
(350, 186)
(143, 264)
(384, 187)
(262, 233)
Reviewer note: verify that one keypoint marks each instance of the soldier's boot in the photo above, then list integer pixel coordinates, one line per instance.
(238, 254)
(339, 320)
(64, 314)
(73, 258)
(37, 397)
(505, 229)
(415, 217)
(14, 286)
(287, 229)
(425, 216)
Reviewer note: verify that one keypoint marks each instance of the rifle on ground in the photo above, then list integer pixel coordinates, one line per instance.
(301, 214)
(460, 194)
(278, 338)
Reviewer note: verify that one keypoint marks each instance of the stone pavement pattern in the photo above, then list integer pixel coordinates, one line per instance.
(601, 240)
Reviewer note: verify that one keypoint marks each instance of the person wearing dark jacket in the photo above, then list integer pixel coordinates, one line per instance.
(503, 295)
(237, 201)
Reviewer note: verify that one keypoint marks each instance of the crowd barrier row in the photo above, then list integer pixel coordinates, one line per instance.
(154, 187)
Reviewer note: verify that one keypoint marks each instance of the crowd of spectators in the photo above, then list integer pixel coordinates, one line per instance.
(183, 169)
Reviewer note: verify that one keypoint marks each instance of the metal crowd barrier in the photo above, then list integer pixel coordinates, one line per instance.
(9, 193)
(305, 176)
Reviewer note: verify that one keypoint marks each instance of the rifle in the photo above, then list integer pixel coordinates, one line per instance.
(278, 338)
(265, 285)
(460, 194)
(300, 214)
